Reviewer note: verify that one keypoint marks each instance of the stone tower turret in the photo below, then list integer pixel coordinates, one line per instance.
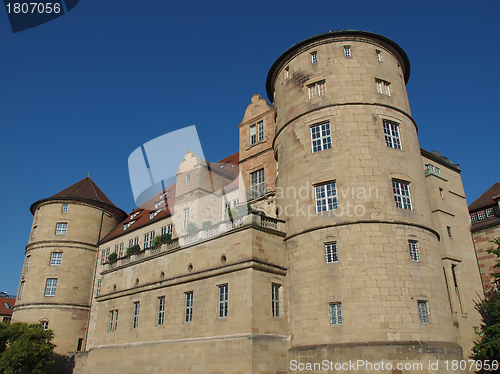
(364, 266)
(59, 266)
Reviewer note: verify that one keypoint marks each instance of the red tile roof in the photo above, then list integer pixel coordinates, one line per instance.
(226, 166)
(4, 310)
(486, 199)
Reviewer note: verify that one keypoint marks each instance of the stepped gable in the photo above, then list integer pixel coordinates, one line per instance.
(487, 199)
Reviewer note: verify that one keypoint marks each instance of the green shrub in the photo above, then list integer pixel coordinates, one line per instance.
(165, 238)
(112, 257)
(131, 250)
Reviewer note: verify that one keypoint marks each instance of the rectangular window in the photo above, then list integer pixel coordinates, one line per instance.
(21, 290)
(33, 233)
(161, 310)
(276, 300)
(235, 202)
(287, 72)
(45, 325)
(253, 134)
(481, 215)
(316, 89)
(107, 255)
(135, 320)
(473, 217)
(113, 320)
(335, 314)
(379, 55)
(260, 131)
(257, 184)
(61, 228)
(314, 57)
(136, 240)
(56, 258)
(413, 247)
(170, 229)
(391, 134)
(50, 287)
(326, 197)
(423, 312)
(120, 250)
(28, 259)
(65, 208)
(103, 257)
(401, 192)
(383, 87)
(441, 193)
(188, 316)
(347, 51)
(149, 239)
(223, 296)
(321, 137)
(448, 229)
(188, 177)
(489, 212)
(331, 252)
(98, 288)
(185, 221)
(227, 207)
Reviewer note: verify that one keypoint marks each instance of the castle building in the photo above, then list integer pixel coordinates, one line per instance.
(356, 246)
(485, 218)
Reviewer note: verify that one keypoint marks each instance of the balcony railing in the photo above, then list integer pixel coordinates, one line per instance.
(199, 236)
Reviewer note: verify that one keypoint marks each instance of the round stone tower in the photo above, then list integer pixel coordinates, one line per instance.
(365, 274)
(57, 277)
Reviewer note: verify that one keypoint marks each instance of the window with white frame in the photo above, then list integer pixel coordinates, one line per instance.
(413, 247)
(379, 55)
(347, 51)
(188, 177)
(276, 300)
(257, 184)
(260, 131)
(127, 225)
(61, 228)
(120, 250)
(65, 208)
(489, 212)
(103, 257)
(161, 310)
(107, 255)
(383, 87)
(253, 134)
(135, 320)
(113, 320)
(326, 197)
(316, 89)
(21, 290)
(481, 215)
(185, 221)
(423, 312)
(50, 287)
(56, 258)
(314, 57)
(223, 298)
(402, 196)
(321, 137)
(473, 217)
(133, 215)
(149, 239)
(98, 287)
(331, 252)
(28, 259)
(159, 203)
(45, 325)
(33, 234)
(391, 134)
(188, 314)
(335, 314)
(154, 214)
(168, 229)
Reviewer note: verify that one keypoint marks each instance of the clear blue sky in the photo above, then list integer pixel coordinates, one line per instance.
(80, 93)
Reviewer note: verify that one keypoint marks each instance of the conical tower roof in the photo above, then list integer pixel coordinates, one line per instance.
(83, 190)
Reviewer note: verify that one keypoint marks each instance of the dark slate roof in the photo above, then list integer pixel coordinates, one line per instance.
(486, 199)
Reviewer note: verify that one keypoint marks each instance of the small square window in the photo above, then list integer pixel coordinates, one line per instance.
(65, 208)
(326, 197)
(321, 137)
(473, 217)
(61, 228)
(56, 258)
(331, 252)
(335, 314)
(45, 325)
(423, 312)
(316, 89)
(391, 135)
(481, 215)
(50, 287)
(383, 87)
(489, 212)
(347, 51)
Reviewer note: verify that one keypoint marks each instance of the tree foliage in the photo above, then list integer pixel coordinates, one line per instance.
(488, 348)
(24, 348)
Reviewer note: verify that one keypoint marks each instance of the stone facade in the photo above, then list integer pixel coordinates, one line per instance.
(355, 248)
